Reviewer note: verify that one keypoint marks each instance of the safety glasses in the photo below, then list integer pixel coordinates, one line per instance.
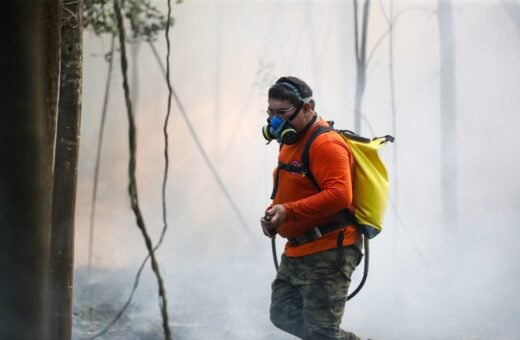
(279, 112)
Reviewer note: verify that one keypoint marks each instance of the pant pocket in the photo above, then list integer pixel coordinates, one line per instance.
(350, 259)
(359, 255)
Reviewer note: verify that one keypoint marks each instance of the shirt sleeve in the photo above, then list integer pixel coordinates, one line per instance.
(331, 164)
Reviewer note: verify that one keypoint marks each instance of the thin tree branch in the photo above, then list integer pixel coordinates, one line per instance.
(376, 45)
(165, 178)
(165, 127)
(383, 11)
(204, 154)
(391, 25)
(110, 57)
(132, 187)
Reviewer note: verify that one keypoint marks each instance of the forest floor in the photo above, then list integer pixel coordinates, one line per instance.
(99, 296)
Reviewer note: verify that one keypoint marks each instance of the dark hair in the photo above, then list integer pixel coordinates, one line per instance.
(292, 89)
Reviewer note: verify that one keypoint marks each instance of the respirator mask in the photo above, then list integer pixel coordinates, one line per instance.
(281, 129)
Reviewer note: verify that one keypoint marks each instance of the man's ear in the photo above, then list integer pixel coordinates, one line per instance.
(307, 107)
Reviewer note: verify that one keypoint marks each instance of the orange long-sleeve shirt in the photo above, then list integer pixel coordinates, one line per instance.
(331, 163)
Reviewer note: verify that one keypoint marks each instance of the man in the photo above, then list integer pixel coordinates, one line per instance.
(310, 289)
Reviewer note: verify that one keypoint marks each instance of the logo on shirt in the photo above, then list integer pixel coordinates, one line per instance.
(296, 164)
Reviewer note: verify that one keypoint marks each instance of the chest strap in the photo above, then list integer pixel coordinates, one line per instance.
(345, 218)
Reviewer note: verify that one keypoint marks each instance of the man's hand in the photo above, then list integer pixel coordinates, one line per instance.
(274, 217)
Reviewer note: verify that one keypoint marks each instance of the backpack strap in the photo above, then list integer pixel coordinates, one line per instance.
(305, 154)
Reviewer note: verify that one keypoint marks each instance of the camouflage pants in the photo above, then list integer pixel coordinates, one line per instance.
(309, 293)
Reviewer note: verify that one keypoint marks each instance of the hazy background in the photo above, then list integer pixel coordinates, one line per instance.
(426, 280)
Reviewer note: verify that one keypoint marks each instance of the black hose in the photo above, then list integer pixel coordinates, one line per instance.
(365, 269)
(275, 257)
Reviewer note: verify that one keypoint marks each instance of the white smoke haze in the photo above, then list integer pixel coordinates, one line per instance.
(426, 280)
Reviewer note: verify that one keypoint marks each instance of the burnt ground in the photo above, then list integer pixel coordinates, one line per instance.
(100, 294)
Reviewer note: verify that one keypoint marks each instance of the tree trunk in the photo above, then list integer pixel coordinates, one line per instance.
(448, 116)
(65, 170)
(51, 29)
(24, 244)
(51, 73)
(361, 62)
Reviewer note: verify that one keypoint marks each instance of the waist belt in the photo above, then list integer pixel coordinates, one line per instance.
(346, 218)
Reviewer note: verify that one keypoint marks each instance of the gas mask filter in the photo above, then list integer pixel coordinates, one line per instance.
(281, 130)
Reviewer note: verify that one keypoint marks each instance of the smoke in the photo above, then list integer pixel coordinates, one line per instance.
(426, 281)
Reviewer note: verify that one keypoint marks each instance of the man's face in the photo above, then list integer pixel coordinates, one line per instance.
(285, 109)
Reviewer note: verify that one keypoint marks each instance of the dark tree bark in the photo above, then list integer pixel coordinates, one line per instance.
(65, 170)
(361, 61)
(51, 74)
(448, 116)
(51, 29)
(24, 244)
